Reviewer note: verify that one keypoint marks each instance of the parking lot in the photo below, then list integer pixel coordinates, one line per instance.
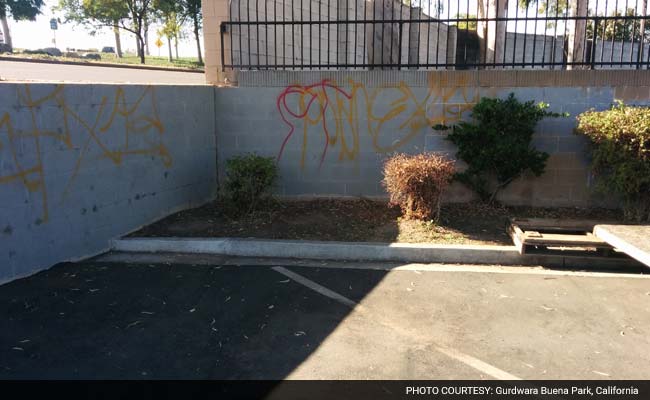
(157, 317)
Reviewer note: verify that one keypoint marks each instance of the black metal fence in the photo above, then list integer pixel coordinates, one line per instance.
(436, 34)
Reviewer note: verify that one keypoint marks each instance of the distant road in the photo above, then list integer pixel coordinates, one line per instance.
(26, 71)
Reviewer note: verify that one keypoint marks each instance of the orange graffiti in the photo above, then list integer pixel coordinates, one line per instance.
(325, 104)
(114, 115)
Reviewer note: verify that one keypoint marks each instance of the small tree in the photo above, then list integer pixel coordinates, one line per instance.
(620, 140)
(416, 183)
(128, 15)
(18, 10)
(497, 146)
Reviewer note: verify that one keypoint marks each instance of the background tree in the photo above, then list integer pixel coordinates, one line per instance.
(94, 15)
(18, 10)
(192, 10)
(128, 15)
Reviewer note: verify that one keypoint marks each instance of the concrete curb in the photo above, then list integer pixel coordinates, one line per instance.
(101, 64)
(348, 251)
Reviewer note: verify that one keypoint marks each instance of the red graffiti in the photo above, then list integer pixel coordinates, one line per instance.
(307, 96)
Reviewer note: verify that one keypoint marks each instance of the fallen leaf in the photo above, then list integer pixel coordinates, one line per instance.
(285, 281)
(192, 310)
(548, 308)
(299, 333)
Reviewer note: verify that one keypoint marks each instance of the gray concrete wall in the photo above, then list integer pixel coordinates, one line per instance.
(83, 163)
(332, 131)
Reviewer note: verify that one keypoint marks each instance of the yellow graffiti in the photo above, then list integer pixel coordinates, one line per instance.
(321, 103)
(139, 134)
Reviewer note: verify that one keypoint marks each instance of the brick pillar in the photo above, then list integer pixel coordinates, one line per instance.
(214, 12)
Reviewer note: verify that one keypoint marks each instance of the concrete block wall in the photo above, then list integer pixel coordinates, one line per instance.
(330, 132)
(83, 163)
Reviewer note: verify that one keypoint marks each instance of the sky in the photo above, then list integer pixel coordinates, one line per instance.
(37, 34)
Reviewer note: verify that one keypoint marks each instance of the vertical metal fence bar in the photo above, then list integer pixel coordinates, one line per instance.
(419, 24)
(430, 21)
(636, 8)
(248, 18)
(592, 55)
(523, 56)
(223, 54)
(302, 35)
(466, 31)
(437, 5)
(392, 25)
(447, 41)
(545, 36)
(624, 30)
(642, 28)
(514, 44)
(611, 54)
(399, 48)
(535, 38)
(356, 32)
(310, 33)
(604, 38)
(257, 34)
(586, 40)
(284, 33)
(565, 46)
(320, 29)
(293, 38)
(275, 34)
(230, 33)
(383, 26)
(554, 47)
(241, 55)
(365, 28)
(505, 39)
(329, 28)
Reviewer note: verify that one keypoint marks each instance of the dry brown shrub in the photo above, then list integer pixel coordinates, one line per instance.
(416, 182)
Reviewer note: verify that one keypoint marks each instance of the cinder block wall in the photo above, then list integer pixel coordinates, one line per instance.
(331, 131)
(83, 163)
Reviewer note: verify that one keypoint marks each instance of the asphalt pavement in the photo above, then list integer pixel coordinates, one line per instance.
(149, 317)
(41, 72)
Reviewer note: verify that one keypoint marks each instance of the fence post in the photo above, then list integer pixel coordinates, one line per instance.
(217, 51)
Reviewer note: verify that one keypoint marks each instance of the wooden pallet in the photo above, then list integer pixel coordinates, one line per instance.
(559, 237)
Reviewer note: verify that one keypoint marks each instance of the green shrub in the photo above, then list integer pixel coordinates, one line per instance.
(497, 145)
(416, 183)
(620, 140)
(248, 182)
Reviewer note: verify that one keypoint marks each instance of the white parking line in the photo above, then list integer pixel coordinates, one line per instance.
(468, 360)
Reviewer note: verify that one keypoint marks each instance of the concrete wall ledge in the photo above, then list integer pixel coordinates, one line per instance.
(358, 251)
(450, 78)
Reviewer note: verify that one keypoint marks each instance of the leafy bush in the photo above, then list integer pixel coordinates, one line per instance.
(497, 146)
(249, 179)
(416, 183)
(620, 140)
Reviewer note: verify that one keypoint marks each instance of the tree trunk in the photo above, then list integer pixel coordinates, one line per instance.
(577, 30)
(146, 37)
(169, 47)
(197, 38)
(6, 32)
(176, 46)
(118, 42)
(137, 46)
(496, 31)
